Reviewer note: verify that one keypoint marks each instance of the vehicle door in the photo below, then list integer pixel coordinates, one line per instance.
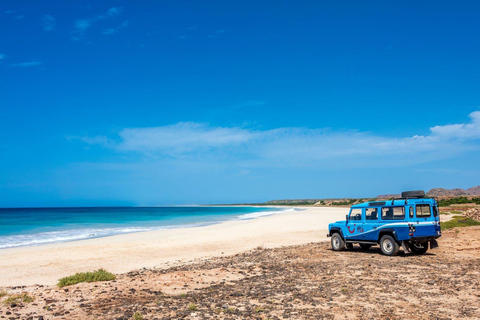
(355, 224)
(370, 225)
(425, 224)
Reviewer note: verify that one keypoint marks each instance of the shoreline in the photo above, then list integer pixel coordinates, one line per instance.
(47, 263)
(84, 231)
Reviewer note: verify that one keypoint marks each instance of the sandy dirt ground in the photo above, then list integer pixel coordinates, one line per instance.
(308, 281)
(122, 253)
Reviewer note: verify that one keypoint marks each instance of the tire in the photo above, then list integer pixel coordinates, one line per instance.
(413, 194)
(389, 246)
(418, 248)
(349, 246)
(365, 246)
(337, 242)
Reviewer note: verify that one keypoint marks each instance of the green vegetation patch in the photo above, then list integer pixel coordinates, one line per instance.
(16, 298)
(458, 222)
(457, 200)
(137, 316)
(346, 202)
(192, 307)
(98, 275)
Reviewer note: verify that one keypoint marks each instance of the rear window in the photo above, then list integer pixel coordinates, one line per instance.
(423, 210)
(393, 213)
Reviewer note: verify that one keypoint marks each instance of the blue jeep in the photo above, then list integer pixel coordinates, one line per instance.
(411, 222)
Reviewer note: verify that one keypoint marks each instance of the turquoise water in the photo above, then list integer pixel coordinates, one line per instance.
(36, 226)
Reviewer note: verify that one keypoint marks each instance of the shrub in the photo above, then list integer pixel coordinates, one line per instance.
(98, 275)
(457, 200)
(458, 222)
(192, 307)
(137, 316)
(23, 297)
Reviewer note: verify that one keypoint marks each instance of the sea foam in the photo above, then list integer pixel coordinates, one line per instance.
(62, 236)
(254, 215)
(38, 226)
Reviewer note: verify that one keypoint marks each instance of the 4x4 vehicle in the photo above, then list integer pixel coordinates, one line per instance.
(410, 222)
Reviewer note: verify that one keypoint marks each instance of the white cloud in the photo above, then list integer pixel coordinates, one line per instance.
(180, 138)
(460, 131)
(99, 140)
(48, 22)
(296, 146)
(115, 11)
(27, 64)
(82, 25)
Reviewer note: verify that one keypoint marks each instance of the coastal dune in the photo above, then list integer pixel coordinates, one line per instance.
(163, 248)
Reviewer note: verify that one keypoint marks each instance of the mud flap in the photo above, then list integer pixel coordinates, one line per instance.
(433, 244)
(405, 247)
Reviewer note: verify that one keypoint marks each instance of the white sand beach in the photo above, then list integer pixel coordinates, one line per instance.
(122, 253)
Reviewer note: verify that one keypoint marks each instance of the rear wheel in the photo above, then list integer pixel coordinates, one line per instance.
(337, 242)
(418, 248)
(365, 246)
(389, 246)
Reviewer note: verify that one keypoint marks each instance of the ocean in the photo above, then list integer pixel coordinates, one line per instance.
(37, 226)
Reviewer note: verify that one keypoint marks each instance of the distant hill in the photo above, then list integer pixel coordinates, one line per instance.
(440, 192)
(435, 192)
(474, 191)
(388, 196)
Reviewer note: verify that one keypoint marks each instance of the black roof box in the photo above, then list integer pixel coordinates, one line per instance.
(413, 194)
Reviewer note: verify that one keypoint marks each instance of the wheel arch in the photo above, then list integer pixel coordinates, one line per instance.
(337, 230)
(390, 232)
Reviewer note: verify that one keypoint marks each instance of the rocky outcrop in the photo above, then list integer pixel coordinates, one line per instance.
(441, 192)
(474, 191)
(473, 213)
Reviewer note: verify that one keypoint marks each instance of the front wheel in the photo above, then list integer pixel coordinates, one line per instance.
(389, 246)
(418, 248)
(337, 242)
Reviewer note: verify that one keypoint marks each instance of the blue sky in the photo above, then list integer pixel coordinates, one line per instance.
(184, 102)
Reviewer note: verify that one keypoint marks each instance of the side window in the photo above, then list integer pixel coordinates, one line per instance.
(393, 213)
(371, 214)
(423, 210)
(355, 214)
(411, 212)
